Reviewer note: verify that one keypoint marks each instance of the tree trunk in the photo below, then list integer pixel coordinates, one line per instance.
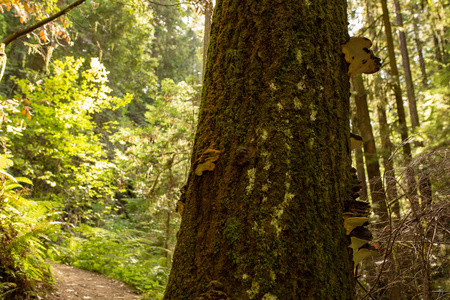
(389, 172)
(266, 221)
(377, 192)
(167, 237)
(359, 159)
(411, 182)
(437, 51)
(420, 53)
(406, 68)
(207, 30)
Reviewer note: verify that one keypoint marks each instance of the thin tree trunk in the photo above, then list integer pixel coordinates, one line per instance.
(391, 185)
(359, 159)
(406, 68)
(167, 237)
(270, 165)
(207, 29)
(437, 51)
(420, 53)
(377, 192)
(407, 153)
(363, 194)
(386, 146)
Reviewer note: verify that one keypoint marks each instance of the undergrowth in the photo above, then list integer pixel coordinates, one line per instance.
(129, 255)
(25, 226)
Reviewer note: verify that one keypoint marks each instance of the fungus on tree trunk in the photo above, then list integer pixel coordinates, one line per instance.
(206, 161)
(360, 57)
(366, 251)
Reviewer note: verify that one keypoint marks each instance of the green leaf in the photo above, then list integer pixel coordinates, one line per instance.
(9, 187)
(24, 180)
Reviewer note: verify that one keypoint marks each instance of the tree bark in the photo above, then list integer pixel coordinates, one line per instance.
(265, 222)
(406, 68)
(377, 192)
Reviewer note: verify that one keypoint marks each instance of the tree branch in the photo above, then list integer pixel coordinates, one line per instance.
(29, 29)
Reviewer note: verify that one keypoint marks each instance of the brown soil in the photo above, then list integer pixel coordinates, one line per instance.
(73, 283)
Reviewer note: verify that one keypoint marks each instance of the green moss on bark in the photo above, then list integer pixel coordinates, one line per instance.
(271, 228)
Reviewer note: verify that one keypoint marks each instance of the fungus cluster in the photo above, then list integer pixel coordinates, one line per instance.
(206, 161)
(356, 217)
(360, 57)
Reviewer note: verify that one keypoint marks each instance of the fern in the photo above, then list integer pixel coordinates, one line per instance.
(23, 227)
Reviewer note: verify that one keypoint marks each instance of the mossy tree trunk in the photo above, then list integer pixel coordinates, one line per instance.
(267, 221)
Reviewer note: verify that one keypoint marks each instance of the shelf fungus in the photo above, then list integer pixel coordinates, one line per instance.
(356, 141)
(352, 221)
(206, 161)
(358, 237)
(365, 251)
(360, 57)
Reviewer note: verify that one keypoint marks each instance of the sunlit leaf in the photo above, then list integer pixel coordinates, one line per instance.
(8, 175)
(24, 180)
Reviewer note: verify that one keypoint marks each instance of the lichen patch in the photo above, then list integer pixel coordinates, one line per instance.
(253, 292)
(251, 180)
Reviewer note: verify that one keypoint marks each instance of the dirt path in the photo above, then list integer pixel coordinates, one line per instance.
(73, 283)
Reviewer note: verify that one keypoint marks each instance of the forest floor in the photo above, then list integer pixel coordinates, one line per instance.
(74, 283)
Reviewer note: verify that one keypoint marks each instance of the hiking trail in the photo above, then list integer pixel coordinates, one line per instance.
(74, 283)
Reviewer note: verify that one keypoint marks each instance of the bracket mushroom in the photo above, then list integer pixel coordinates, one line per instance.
(360, 57)
(365, 251)
(356, 141)
(351, 221)
(206, 161)
(358, 237)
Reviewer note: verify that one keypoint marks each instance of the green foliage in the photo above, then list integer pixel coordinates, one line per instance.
(91, 156)
(120, 33)
(128, 255)
(24, 224)
(155, 158)
(177, 44)
(435, 128)
(24, 229)
(59, 149)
